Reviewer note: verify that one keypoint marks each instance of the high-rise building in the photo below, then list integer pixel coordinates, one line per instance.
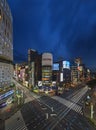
(35, 70)
(78, 62)
(56, 72)
(74, 74)
(66, 73)
(6, 45)
(47, 62)
(82, 72)
(61, 73)
(21, 73)
(32, 54)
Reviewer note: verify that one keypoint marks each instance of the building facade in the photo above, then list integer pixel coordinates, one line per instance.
(21, 73)
(66, 72)
(74, 74)
(6, 45)
(47, 62)
(56, 72)
(35, 68)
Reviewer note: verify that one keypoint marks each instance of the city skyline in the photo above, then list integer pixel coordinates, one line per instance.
(45, 79)
(66, 29)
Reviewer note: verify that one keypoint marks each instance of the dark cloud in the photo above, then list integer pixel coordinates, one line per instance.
(64, 27)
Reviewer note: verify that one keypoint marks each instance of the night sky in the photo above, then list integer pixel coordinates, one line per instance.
(67, 28)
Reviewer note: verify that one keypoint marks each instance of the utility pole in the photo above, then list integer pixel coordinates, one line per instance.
(92, 112)
(47, 116)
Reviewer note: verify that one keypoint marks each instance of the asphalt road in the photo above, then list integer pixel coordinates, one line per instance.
(73, 121)
(46, 113)
(2, 125)
(34, 115)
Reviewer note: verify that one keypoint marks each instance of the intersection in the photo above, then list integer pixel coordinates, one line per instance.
(50, 113)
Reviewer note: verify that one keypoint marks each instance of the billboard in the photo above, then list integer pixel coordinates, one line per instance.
(6, 94)
(55, 66)
(39, 83)
(66, 65)
(61, 77)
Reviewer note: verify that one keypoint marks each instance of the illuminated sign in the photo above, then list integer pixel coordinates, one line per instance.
(66, 65)
(3, 105)
(61, 77)
(88, 70)
(6, 94)
(80, 68)
(44, 79)
(55, 66)
(39, 83)
(54, 83)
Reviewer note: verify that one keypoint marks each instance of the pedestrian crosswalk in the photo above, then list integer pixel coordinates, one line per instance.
(70, 103)
(70, 106)
(73, 100)
(67, 103)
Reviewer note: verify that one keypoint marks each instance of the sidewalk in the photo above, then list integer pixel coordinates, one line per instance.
(87, 110)
(15, 122)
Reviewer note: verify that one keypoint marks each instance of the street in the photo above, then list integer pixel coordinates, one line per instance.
(52, 113)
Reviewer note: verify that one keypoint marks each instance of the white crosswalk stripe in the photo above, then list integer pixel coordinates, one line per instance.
(70, 106)
(73, 100)
(67, 103)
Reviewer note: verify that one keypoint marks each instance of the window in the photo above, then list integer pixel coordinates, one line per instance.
(0, 14)
(6, 22)
(3, 18)
(0, 11)
(5, 32)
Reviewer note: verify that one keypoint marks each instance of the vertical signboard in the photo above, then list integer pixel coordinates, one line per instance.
(39, 83)
(33, 68)
(61, 77)
(92, 111)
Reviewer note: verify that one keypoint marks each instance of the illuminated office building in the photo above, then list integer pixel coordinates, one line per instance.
(74, 74)
(66, 73)
(56, 72)
(6, 45)
(78, 62)
(66, 76)
(35, 70)
(47, 62)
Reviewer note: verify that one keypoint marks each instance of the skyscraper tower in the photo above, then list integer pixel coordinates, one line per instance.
(78, 61)
(47, 62)
(34, 63)
(6, 45)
